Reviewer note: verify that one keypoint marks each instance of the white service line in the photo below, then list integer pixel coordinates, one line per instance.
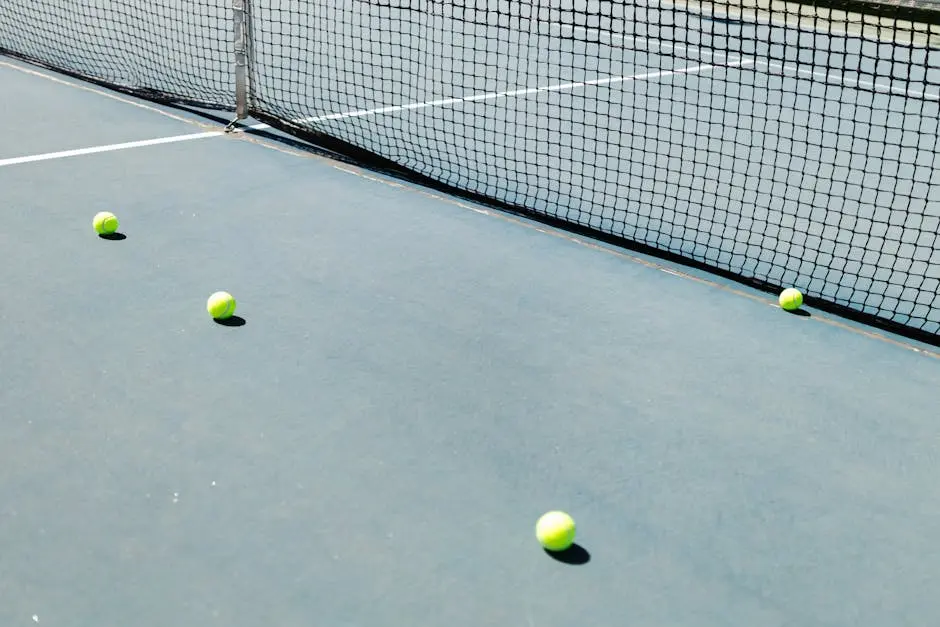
(109, 148)
(845, 82)
(514, 93)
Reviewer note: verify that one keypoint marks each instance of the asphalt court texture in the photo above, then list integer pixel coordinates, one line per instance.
(415, 382)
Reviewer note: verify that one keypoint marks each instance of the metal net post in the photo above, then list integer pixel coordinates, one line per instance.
(242, 45)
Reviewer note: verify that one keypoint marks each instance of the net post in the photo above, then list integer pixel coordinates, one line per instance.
(240, 19)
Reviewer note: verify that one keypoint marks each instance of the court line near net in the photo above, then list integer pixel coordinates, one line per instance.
(514, 93)
(63, 154)
(828, 77)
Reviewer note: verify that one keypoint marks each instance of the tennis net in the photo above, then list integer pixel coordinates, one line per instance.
(778, 143)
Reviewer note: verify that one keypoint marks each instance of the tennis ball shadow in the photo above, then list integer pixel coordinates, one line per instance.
(234, 321)
(802, 313)
(114, 237)
(575, 555)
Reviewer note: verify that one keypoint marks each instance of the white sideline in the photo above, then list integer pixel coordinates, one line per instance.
(378, 111)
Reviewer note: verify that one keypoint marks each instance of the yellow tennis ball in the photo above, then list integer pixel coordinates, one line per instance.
(791, 299)
(221, 305)
(106, 223)
(555, 531)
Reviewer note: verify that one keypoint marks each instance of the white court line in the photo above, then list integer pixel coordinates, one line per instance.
(758, 63)
(109, 148)
(379, 111)
(513, 93)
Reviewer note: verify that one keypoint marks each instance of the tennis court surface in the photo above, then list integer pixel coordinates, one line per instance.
(490, 261)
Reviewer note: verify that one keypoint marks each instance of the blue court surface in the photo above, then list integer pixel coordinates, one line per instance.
(411, 382)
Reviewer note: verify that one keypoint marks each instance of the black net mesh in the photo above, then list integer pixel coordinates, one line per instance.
(172, 50)
(788, 144)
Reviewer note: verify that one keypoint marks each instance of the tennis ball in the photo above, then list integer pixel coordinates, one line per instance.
(106, 223)
(221, 305)
(791, 299)
(555, 531)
